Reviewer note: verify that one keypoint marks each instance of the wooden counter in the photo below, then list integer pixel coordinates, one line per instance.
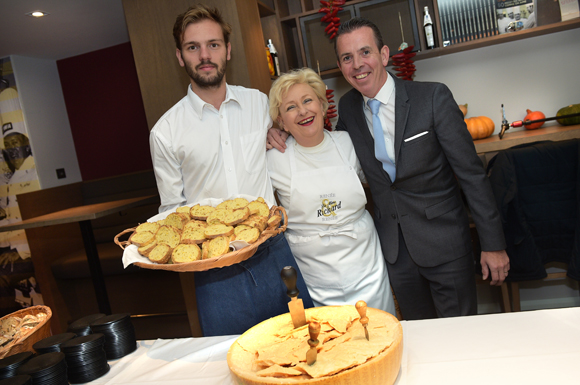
(510, 139)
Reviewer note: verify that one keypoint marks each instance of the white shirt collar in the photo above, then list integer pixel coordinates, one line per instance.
(384, 93)
(198, 104)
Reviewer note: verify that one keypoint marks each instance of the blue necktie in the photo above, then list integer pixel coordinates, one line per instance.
(380, 147)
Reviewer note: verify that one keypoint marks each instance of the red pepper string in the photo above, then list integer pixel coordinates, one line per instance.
(403, 64)
(331, 8)
(331, 112)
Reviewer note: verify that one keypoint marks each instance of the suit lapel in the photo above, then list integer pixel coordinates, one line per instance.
(401, 113)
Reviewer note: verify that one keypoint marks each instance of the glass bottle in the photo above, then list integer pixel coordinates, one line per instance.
(428, 26)
(274, 54)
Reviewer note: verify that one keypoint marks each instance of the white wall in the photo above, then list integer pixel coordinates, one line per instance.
(540, 73)
(46, 119)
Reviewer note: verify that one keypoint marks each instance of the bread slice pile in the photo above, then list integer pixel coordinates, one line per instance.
(201, 232)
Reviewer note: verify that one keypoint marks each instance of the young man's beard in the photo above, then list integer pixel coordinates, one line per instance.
(205, 82)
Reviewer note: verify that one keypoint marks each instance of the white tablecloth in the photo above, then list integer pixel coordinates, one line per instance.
(536, 347)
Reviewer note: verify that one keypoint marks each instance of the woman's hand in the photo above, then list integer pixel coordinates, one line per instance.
(276, 139)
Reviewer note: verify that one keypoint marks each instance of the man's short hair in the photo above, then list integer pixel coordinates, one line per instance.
(280, 88)
(196, 14)
(354, 24)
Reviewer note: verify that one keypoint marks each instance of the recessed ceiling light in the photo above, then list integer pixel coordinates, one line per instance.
(36, 14)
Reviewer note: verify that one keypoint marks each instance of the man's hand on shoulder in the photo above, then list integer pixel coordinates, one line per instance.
(276, 139)
(495, 264)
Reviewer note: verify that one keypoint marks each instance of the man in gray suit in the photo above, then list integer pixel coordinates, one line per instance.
(426, 156)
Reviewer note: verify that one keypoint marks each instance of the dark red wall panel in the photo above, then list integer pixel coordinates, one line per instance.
(105, 109)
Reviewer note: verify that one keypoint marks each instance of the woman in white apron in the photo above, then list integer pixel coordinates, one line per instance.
(331, 235)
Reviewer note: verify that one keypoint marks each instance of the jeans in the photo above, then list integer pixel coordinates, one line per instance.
(232, 299)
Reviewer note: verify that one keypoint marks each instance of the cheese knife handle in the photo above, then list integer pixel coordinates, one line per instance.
(289, 277)
(361, 307)
(313, 331)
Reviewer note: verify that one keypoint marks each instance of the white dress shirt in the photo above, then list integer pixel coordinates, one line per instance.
(199, 152)
(386, 96)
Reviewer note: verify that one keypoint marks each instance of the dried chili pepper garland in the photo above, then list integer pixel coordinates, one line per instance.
(331, 9)
(403, 64)
(331, 112)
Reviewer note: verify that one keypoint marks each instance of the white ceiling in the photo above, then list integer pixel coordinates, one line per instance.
(73, 27)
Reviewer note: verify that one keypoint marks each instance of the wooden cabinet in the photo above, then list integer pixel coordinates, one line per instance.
(300, 39)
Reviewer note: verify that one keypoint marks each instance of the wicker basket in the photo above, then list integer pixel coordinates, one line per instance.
(221, 261)
(41, 331)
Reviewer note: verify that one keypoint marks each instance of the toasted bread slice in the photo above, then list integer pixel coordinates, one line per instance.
(218, 246)
(217, 216)
(186, 253)
(201, 212)
(177, 220)
(274, 221)
(168, 235)
(160, 253)
(195, 224)
(260, 208)
(239, 228)
(233, 204)
(257, 221)
(148, 226)
(204, 249)
(184, 210)
(249, 236)
(142, 238)
(214, 231)
(145, 250)
(193, 235)
(236, 216)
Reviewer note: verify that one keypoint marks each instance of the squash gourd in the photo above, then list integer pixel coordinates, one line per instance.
(480, 127)
(571, 109)
(534, 115)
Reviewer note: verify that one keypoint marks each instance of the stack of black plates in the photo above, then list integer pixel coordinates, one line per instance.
(82, 326)
(9, 364)
(17, 380)
(119, 334)
(46, 369)
(85, 358)
(52, 343)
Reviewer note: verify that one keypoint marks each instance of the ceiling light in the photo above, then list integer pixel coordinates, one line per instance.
(36, 14)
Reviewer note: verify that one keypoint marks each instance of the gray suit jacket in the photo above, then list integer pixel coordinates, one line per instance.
(425, 198)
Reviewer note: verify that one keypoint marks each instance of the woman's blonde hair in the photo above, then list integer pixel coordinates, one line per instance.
(298, 76)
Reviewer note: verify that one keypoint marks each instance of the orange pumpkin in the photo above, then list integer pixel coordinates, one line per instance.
(534, 115)
(480, 127)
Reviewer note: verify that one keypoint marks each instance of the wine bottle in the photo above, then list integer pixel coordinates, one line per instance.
(428, 26)
(274, 54)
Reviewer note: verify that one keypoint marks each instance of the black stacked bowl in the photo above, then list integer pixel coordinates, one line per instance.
(86, 358)
(52, 343)
(46, 369)
(10, 364)
(119, 334)
(82, 326)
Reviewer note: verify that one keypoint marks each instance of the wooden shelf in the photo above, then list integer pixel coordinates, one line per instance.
(498, 39)
(290, 12)
(510, 139)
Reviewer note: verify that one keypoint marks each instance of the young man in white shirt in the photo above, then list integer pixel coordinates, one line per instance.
(212, 144)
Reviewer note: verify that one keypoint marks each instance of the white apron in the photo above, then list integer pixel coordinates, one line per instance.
(333, 237)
